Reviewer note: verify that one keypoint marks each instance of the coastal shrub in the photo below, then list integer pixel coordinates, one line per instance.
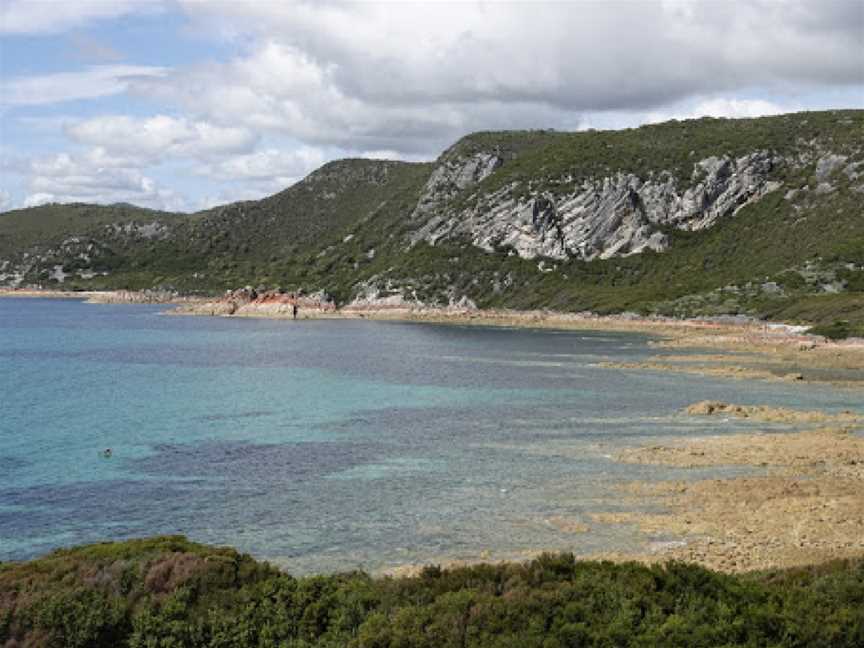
(854, 279)
(171, 593)
(838, 330)
(80, 618)
(790, 280)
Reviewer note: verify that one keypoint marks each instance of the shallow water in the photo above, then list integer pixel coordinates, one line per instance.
(330, 445)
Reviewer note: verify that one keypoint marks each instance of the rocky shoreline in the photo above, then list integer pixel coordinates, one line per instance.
(802, 505)
(805, 506)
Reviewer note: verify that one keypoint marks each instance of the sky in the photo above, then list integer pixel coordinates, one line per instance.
(185, 104)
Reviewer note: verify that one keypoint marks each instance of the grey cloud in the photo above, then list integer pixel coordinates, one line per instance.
(577, 56)
(412, 77)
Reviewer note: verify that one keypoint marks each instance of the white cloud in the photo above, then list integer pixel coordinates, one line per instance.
(93, 82)
(267, 164)
(36, 199)
(237, 194)
(51, 16)
(718, 107)
(5, 200)
(66, 178)
(279, 89)
(554, 52)
(159, 137)
(260, 174)
(737, 108)
(412, 77)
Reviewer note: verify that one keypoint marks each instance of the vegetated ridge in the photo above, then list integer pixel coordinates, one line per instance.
(760, 217)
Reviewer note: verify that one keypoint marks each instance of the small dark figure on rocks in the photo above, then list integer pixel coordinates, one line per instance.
(294, 310)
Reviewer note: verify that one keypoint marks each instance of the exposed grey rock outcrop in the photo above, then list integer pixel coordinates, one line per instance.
(383, 294)
(378, 294)
(599, 218)
(149, 231)
(455, 174)
(827, 165)
(451, 176)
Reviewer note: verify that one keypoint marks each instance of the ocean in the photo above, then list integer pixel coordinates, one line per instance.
(330, 445)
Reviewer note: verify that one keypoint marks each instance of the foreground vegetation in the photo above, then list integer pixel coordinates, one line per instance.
(169, 592)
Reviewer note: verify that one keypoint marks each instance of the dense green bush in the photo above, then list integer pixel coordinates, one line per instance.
(854, 279)
(837, 330)
(168, 592)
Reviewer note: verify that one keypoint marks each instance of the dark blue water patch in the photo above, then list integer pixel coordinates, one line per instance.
(212, 491)
(9, 465)
(248, 462)
(92, 498)
(84, 510)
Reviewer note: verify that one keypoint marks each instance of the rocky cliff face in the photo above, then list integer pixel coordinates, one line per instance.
(452, 175)
(602, 217)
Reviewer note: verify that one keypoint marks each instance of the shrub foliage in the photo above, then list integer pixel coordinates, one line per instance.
(169, 592)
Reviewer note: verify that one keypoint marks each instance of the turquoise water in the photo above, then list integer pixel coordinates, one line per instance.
(328, 445)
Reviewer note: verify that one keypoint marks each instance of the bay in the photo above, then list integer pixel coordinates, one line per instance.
(333, 444)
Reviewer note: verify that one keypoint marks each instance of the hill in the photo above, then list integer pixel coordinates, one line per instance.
(758, 216)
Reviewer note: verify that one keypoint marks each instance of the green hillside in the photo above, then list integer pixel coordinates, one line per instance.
(23, 229)
(241, 243)
(672, 146)
(795, 253)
